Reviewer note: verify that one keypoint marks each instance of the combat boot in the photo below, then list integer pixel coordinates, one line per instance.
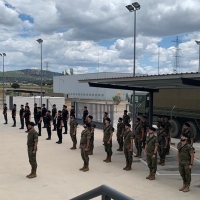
(163, 163)
(121, 149)
(81, 169)
(187, 188)
(29, 174)
(160, 162)
(73, 148)
(86, 168)
(152, 177)
(139, 155)
(33, 175)
(109, 159)
(136, 155)
(129, 167)
(183, 187)
(105, 159)
(126, 166)
(90, 152)
(149, 175)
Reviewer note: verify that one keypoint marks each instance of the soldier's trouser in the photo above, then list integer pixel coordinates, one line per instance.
(32, 158)
(92, 142)
(185, 172)
(35, 119)
(84, 155)
(108, 148)
(14, 120)
(120, 141)
(144, 140)
(168, 145)
(44, 121)
(54, 124)
(138, 144)
(59, 133)
(22, 122)
(6, 118)
(152, 163)
(74, 139)
(26, 122)
(49, 131)
(65, 124)
(128, 155)
(39, 128)
(162, 152)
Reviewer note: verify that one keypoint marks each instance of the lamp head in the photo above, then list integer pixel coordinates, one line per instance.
(130, 8)
(198, 42)
(136, 5)
(39, 41)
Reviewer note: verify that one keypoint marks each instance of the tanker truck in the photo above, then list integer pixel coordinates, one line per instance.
(180, 105)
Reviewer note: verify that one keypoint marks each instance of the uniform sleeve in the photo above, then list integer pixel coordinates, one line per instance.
(88, 135)
(131, 135)
(190, 148)
(35, 136)
(75, 124)
(156, 141)
(191, 136)
(111, 130)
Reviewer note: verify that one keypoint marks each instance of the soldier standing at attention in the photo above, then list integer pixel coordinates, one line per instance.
(168, 131)
(120, 133)
(27, 116)
(14, 115)
(186, 160)
(126, 118)
(39, 120)
(54, 116)
(44, 110)
(21, 115)
(107, 139)
(163, 141)
(186, 129)
(65, 116)
(48, 123)
(59, 127)
(32, 141)
(138, 138)
(84, 146)
(72, 111)
(151, 153)
(91, 129)
(73, 129)
(35, 113)
(85, 114)
(128, 147)
(5, 109)
(145, 126)
(104, 119)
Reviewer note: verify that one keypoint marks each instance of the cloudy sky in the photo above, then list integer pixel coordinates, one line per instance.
(91, 35)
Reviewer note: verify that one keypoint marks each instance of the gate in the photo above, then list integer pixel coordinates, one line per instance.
(96, 110)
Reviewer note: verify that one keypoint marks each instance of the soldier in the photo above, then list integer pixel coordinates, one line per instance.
(65, 116)
(186, 160)
(5, 109)
(138, 138)
(59, 127)
(126, 118)
(26, 104)
(21, 115)
(104, 119)
(84, 146)
(168, 131)
(48, 124)
(32, 141)
(39, 120)
(91, 129)
(27, 116)
(151, 153)
(73, 129)
(44, 110)
(145, 126)
(85, 114)
(128, 147)
(186, 129)
(107, 139)
(54, 116)
(120, 133)
(35, 113)
(163, 141)
(72, 111)
(14, 115)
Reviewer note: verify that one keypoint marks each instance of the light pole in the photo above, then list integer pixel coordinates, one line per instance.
(3, 55)
(198, 42)
(158, 60)
(133, 8)
(40, 41)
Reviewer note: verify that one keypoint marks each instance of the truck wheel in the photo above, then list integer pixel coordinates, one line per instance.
(194, 129)
(176, 128)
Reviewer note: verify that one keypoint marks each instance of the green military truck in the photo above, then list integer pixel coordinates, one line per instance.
(180, 105)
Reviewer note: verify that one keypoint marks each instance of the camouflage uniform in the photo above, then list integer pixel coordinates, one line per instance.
(120, 129)
(167, 130)
(108, 130)
(31, 139)
(161, 150)
(104, 123)
(126, 119)
(190, 136)
(145, 126)
(138, 137)
(184, 162)
(73, 126)
(91, 129)
(151, 162)
(85, 136)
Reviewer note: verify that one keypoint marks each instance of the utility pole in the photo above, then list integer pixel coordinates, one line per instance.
(47, 65)
(176, 55)
(158, 60)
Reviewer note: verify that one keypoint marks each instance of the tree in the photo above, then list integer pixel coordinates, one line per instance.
(15, 85)
(116, 100)
(71, 71)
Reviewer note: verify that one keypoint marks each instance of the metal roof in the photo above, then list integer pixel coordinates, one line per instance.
(149, 82)
(25, 91)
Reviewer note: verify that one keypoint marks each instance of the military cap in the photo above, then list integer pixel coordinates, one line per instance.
(162, 125)
(5, 103)
(87, 124)
(166, 116)
(22, 105)
(120, 118)
(35, 104)
(152, 128)
(54, 104)
(90, 116)
(85, 106)
(128, 125)
(38, 107)
(49, 111)
(59, 111)
(144, 116)
(185, 135)
(72, 116)
(187, 124)
(31, 123)
(138, 119)
(43, 104)
(106, 113)
(108, 119)
(14, 104)
(65, 106)
(125, 111)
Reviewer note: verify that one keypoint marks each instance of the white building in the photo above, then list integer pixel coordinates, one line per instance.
(69, 85)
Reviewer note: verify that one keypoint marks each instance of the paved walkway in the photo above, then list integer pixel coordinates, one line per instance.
(59, 177)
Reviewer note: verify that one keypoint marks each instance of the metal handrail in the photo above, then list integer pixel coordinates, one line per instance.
(105, 191)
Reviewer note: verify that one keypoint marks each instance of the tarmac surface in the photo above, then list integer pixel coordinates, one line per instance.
(59, 177)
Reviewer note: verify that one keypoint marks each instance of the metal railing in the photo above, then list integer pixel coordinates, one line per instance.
(107, 193)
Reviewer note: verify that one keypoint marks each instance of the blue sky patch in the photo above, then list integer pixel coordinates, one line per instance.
(107, 43)
(25, 17)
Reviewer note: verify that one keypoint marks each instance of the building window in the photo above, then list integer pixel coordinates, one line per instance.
(102, 95)
(99, 95)
(86, 94)
(78, 94)
(95, 95)
(89, 94)
(92, 94)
